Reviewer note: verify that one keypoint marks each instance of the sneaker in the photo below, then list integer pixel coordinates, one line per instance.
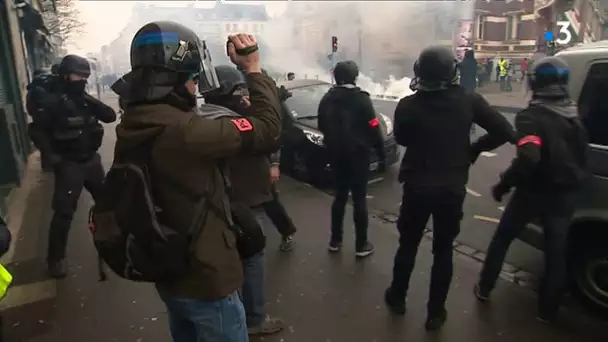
(334, 246)
(397, 307)
(286, 244)
(435, 322)
(58, 269)
(270, 325)
(366, 251)
(482, 296)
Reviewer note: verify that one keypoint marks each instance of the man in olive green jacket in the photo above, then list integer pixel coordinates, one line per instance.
(188, 147)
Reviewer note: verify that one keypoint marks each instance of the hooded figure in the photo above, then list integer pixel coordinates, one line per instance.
(468, 71)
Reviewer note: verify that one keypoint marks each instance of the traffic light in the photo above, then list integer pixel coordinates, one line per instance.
(334, 44)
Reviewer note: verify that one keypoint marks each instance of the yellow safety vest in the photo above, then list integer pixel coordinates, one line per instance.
(5, 281)
(503, 68)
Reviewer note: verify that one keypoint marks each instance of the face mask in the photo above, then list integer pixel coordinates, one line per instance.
(185, 94)
(76, 87)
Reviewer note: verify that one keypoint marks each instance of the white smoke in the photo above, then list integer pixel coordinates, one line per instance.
(384, 38)
(405, 28)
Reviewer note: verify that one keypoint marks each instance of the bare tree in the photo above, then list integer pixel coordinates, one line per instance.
(65, 22)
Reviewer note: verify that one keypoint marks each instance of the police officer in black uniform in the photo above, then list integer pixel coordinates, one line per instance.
(548, 170)
(68, 132)
(351, 129)
(434, 125)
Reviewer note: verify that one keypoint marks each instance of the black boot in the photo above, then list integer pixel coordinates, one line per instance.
(395, 305)
(58, 269)
(435, 321)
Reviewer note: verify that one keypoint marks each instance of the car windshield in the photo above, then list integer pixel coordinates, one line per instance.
(304, 101)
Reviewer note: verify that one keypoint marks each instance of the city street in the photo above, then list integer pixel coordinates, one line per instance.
(322, 297)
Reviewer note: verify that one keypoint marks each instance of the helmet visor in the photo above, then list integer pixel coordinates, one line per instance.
(208, 80)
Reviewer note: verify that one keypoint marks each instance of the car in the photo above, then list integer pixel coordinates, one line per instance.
(588, 232)
(303, 154)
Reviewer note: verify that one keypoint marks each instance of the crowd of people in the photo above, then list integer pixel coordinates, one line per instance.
(185, 202)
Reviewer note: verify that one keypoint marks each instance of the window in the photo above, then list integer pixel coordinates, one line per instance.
(245, 27)
(235, 27)
(593, 106)
(304, 102)
(511, 32)
(481, 20)
(227, 27)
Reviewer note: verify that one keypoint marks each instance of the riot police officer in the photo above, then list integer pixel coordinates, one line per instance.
(548, 170)
(67, 129)
(187, 148)
(434, 125)
(350, 128)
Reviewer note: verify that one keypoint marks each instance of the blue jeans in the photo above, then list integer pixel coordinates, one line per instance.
(196, 320)
(254, 298)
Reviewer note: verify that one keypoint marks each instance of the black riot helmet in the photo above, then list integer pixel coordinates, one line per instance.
(230, 79)
(346, 72)
(548, 78)
(55, 69)
(72, 64)
(435, 69)
(164, 55)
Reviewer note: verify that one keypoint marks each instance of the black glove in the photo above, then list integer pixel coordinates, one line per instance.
(499, 191)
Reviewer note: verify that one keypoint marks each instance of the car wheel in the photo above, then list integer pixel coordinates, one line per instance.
(590, 275)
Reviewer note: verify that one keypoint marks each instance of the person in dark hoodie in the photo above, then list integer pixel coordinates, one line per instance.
(350, 128)
(433, 124)
(549, 169)
(468, 71)
(251, 185)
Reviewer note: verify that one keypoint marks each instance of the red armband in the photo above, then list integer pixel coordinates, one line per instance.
(374, 122)
(530, 139)
(242, 124)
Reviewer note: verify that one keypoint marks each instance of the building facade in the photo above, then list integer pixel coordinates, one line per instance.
(23, 47)
(505, 28)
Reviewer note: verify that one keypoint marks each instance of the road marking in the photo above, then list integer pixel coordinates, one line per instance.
(29, 293)
(501, 208)
(375, 180)
(485, 218)
(488, 154)
(473, 193)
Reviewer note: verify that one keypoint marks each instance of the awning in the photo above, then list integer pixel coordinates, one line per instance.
(31, 20)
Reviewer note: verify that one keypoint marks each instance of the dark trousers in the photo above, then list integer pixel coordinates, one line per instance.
(417, 206)
(70, 178)
(555, 212)
(278, 215)
(350, 177)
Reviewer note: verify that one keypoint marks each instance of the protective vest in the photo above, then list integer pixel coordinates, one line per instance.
(76, 133)
(503, 68)
(5, 281)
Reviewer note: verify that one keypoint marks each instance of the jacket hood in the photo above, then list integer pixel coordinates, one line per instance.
(562, 107)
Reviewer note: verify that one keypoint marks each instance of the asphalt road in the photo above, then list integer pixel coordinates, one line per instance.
(322, 297)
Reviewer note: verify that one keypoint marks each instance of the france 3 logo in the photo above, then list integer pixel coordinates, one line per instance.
(563, 37)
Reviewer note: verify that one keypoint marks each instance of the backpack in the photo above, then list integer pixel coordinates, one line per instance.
(126, 231)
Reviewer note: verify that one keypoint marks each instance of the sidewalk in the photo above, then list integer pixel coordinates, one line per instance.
(322, 297)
